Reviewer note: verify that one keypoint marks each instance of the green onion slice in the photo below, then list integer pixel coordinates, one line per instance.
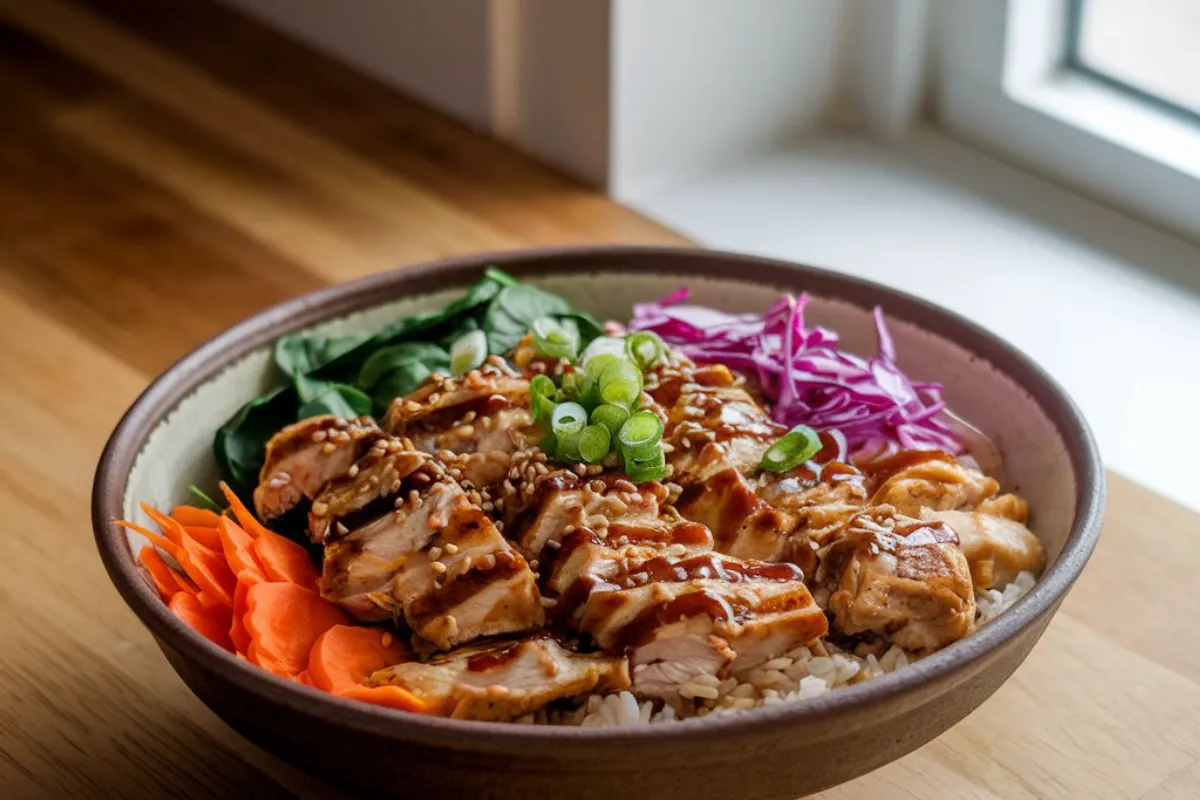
(794, 448)
(641, 432)
(594, 442)
(621, 383)
(566, 446)
(645, 348)
(567, 419)
(555, 339)
(576, 385)
(597, 364)
(541, 397)
(653, 468)
(610, 416)
(468, 352)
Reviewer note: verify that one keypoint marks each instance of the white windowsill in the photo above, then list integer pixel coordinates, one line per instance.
(1108, 305)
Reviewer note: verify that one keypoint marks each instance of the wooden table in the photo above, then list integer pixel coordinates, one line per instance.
(168, 168)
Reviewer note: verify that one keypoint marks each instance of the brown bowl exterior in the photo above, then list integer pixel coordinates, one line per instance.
(778, 752)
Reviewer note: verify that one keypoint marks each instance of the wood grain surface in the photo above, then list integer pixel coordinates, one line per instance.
(168, 168)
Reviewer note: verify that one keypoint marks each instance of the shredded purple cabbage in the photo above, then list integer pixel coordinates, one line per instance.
(874, 405)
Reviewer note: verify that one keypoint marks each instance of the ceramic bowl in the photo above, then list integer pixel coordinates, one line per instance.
(163, 444)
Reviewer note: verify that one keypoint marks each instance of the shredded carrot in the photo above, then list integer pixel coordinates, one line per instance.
(192, 516)
(237, 630)
(208, 568)
(172, 529)
(161, 542)
(346, 655)
(237, 545)
(211, 623)
(244, 516)
(209, 537)
(284, 560)
(167, 580)
(283, 621)
(388, 696)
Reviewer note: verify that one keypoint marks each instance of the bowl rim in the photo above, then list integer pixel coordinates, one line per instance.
(208, 359)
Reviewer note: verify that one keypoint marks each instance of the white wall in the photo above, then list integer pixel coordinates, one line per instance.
(677, 109)
(437, 50)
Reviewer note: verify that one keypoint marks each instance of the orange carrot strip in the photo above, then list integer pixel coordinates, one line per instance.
(205, 536)
(283, 621)
(237, 630)
(284, 560)
(163, 543)
(209, 570)
(170, 528)
(191, 516)
(166, 580)
(210, 623)
(237, 545)
(244, 517)
(388, 696)
(346, 655)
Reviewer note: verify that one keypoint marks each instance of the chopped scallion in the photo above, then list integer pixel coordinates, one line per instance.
(794, 448)
(468, 352)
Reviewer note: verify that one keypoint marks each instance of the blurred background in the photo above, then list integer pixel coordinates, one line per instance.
(1033, 164)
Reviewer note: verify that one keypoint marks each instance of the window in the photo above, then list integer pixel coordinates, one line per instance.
(1100, 93)
(1150, 48)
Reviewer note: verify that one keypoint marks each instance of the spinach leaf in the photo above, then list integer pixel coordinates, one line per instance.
(240, 444)
(388, 358)
(398, 382)
(585, 324)
(319, 397)
(300, 355)
(512, 312)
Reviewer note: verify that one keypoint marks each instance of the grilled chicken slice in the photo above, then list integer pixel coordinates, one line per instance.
(421, 549)
(715, 428)
(997, 548)
(362, 492)
(483, 417)
(904, 580)
(913, 480)
(678, 610)
(302, 457)
(503, 680)
(566, 500)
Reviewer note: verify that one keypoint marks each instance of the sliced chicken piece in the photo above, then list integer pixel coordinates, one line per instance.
(676, 609)
(559, 501)
(997, 548)
(483, 417)
(902, 579)
(715, 428)
(439, 563)
(743, 524)
(364, 491)
(915, 479)
(503, 680)
(301, 458)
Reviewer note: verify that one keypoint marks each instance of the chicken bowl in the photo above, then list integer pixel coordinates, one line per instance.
(652, 522)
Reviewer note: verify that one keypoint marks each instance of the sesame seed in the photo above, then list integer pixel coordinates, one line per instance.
(328, 448)
(319, 436)
(353, 471)
(320, 509)
(386, 639)
(438, 568)
(451, 548)
(435, 553)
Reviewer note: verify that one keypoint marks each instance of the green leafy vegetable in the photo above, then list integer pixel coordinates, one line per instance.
(202, 500)
(513, 312)
(350, 376)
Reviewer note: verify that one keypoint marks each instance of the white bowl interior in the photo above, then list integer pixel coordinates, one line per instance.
(178, 451)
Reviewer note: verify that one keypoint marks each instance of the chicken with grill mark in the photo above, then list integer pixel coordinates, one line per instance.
(482, 417)
(902, 579)
(506, 679)
(416, 546)
(303, 457)
(996, 547)
(930, 479)
(659, 594)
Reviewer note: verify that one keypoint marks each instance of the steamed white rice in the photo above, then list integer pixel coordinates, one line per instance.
(797, 675)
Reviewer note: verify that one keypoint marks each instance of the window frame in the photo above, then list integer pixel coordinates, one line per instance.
(1007, 82)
